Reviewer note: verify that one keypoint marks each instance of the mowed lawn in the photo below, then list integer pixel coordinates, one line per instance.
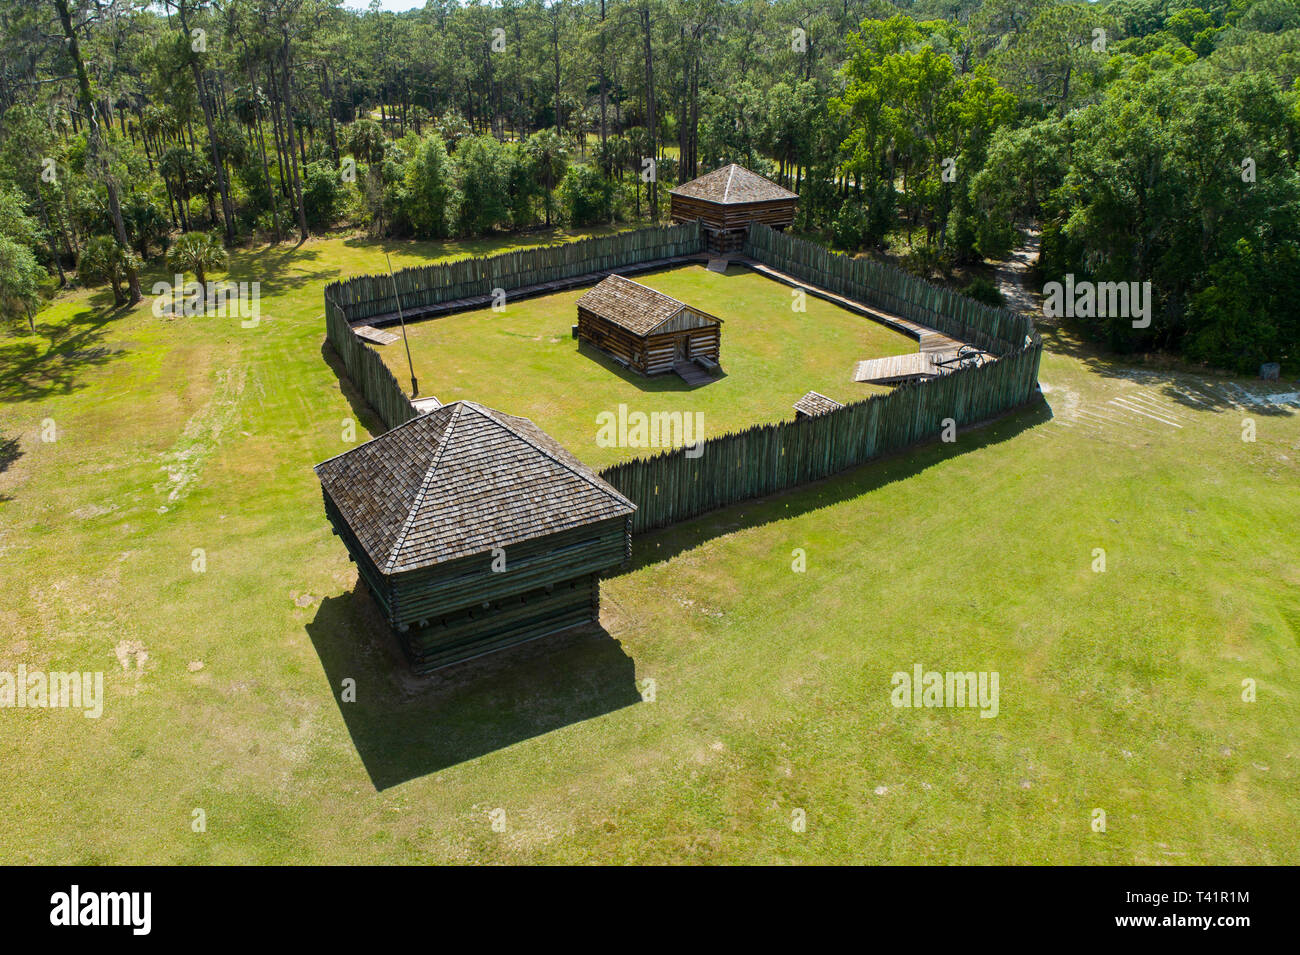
(523, 360)
(172, 536)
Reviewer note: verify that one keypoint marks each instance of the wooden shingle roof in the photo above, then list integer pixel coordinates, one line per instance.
(638, 308)
(814, 403)
(733, 184)
(459, 481)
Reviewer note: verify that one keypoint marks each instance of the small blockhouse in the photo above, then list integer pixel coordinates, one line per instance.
(727, 200)
(646, 330)
(474, 531)
(813, 404)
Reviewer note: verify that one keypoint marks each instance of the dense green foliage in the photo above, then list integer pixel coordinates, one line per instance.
(932, 132)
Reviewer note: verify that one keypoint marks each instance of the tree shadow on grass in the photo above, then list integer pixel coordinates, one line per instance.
(1196, 389)
(405, 726)
(279, 269)
(10, 451)
(33, 369)
(653, 547)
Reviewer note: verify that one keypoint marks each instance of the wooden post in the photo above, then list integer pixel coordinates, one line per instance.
(415, 385)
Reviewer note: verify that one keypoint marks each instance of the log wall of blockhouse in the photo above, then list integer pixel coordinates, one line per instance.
(452, 611)
(432, 593)
(777, 213)
(379, 585)
(720, 242)
(507, 622)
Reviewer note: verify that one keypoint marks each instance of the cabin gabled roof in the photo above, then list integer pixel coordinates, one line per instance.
(458, 481)
(733, 184)
(640, 309)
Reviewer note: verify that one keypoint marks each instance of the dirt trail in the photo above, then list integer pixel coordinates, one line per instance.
(1012, 278)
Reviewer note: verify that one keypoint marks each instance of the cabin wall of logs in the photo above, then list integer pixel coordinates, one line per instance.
(651, 354)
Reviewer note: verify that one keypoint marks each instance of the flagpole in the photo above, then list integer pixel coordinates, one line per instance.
(415, 385)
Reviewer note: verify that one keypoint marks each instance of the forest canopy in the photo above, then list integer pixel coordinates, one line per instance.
(1147, 140)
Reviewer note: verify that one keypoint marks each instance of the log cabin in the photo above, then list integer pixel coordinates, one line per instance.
(474, 531)
(727, 200)
(646, 330)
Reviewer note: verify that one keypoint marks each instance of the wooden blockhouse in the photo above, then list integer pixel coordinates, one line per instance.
(474, 531)
(646, 330)
(727, 200)
(813, 404)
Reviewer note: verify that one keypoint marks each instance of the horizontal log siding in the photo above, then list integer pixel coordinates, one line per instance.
(652, 355)
(510, 621)
(612, 339)
(734, 215)
(433, 592)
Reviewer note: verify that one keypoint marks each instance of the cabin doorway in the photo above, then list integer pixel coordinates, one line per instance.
(681, 350)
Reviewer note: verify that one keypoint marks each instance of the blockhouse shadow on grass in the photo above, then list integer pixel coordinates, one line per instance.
(405, 726)
(652, 547)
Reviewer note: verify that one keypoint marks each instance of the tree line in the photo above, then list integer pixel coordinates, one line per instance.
(1150, 140)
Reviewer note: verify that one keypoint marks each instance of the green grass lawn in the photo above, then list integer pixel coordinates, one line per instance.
(1120, 690)
(524, 360)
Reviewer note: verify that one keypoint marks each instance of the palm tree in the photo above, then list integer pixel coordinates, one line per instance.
(368, 144)
(107, 260)
(197, 252)
(545, 149)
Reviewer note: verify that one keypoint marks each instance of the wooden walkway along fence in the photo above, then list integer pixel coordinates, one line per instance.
(994, 330)
(930, 340)
(369, 295)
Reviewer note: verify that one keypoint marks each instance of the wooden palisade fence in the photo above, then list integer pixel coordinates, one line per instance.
(673, 486)
(890, 289)
(370, 295)
(734, 467)
(369, 374)
(350, 301)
